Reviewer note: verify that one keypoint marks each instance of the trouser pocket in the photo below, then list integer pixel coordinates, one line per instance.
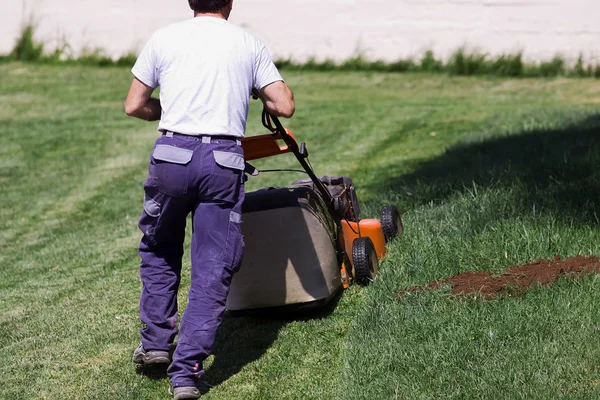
(234, 246)
(149, 219)
(163, 219)
(169, 169)
(226, 175)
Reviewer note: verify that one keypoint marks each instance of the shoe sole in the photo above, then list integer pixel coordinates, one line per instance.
(144, 360)
(186, 396)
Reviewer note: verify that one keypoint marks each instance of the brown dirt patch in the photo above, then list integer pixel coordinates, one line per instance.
(513, 280)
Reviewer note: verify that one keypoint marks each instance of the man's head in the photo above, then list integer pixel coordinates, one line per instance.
(210, 6)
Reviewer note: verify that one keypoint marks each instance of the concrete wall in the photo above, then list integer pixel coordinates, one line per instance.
(338, 29)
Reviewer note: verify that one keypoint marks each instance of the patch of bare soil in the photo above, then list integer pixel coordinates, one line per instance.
(514, 280)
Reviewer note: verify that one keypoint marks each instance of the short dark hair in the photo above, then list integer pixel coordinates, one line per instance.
(206, 6)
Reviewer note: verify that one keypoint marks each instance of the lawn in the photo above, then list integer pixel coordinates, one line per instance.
(489, 173)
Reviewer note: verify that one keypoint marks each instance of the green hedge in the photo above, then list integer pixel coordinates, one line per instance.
(27, 49)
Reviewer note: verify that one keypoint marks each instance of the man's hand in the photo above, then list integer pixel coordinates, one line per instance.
(139, 104)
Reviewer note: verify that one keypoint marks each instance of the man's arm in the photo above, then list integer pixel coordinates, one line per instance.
(278, 99)
(140, 104)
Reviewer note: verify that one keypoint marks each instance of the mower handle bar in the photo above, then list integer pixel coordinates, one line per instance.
(292, 144)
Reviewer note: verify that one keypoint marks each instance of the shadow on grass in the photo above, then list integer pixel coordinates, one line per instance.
(244, 339)
(556, 171)
(155, 372)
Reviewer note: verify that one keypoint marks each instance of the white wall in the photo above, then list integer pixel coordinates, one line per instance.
(338, 29)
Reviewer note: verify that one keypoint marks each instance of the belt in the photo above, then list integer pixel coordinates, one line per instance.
(204, 138)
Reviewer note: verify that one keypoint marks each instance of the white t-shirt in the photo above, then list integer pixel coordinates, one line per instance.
(206, 68)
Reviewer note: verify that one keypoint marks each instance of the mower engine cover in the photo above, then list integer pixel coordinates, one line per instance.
(343, 193)
(290, 255)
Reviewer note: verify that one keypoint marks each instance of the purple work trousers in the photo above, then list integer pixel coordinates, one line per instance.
(204, 176)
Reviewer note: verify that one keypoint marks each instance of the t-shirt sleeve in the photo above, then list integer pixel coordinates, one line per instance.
(265, 72)
(146, 66)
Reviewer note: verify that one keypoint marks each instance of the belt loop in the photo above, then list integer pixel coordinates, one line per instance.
(205, 139)
(238, 142)
(169, 134)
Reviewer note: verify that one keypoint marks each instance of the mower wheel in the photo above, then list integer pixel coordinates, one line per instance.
(365, 260)
(391, 222)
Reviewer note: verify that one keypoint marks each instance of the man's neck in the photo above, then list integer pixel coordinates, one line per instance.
(214, 15)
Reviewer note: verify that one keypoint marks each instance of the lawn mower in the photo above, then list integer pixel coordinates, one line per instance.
(306, 241)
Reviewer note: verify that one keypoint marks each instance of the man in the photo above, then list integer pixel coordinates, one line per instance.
(206, 69)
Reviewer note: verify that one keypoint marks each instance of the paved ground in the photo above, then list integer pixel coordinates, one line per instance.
(335, 29)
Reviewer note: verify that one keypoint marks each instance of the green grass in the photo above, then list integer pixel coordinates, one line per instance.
(489, 172)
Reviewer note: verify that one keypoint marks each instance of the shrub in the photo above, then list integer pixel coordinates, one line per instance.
(579, 68)
(26, 48)
(283, 64)
(467, 64)
(314, 65)
(378, 66)
(94, 57)
(554, 67)
(354, 64)
(507, 65)
(430, 64)
(128, 60)
(403, 66)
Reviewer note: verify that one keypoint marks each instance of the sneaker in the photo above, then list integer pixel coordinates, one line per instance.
(186, 392)
(141, 356)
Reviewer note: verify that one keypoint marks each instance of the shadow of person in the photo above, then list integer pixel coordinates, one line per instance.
(551, 170)
(243, 340)
(155, 372)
